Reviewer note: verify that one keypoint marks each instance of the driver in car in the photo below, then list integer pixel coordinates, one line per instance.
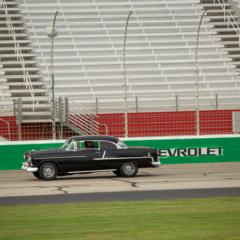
(89, 144)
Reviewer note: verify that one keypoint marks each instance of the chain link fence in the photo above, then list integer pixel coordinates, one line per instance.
(146, 116)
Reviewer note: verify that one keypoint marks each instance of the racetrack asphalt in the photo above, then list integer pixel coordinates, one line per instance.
(167, 182)
(122, 196)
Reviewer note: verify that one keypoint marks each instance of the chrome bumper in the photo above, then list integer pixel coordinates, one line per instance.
(156, 164)
(28, 168)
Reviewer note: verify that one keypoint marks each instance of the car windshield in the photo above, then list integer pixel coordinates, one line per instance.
(65, 144)
(121, 144)
(69, 145)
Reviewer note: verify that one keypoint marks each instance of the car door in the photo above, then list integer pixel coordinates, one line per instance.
(83, 158)
(109, 156)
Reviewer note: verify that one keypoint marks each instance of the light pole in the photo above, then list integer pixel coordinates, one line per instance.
(197, 73)
(52, 34)
(125, 76)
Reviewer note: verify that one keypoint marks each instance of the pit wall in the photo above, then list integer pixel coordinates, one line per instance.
(177, 150)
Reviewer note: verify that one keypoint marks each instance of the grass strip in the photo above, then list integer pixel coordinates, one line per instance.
(195, 219)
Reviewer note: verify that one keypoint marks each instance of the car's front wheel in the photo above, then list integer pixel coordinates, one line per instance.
(128, 169)
(48, 171)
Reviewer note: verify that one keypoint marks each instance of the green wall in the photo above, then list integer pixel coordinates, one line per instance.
(194, 150)
(173, 150)
(11, 156)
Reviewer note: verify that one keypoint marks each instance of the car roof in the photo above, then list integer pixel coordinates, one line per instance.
(95, 137)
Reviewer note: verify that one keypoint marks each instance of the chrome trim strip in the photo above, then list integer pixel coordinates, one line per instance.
(110, 158)
(156, 164)
(29, 169)
(107, 170)
(66, 157)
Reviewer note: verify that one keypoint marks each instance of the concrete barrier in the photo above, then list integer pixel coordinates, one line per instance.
(173, 150)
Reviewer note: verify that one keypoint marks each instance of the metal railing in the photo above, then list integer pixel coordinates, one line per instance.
(237, 3)
(18, 52)
(176, 102)
(229, 18)
(78, 118)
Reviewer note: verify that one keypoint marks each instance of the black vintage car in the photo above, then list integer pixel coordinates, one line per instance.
(82, 154)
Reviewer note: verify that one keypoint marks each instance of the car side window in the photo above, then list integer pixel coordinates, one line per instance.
(88, 144)
(107, 146)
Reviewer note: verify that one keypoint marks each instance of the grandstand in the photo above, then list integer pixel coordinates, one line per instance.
(163, 74)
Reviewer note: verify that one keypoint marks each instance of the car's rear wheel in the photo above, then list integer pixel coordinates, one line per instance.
(36, 174)
(128, 169)
(48, 171)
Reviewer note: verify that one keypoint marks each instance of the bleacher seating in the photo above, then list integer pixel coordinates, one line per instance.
(160, 53)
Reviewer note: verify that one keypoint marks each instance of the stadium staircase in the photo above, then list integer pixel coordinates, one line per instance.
(20, 73)
(225, 17)
(78, 119)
